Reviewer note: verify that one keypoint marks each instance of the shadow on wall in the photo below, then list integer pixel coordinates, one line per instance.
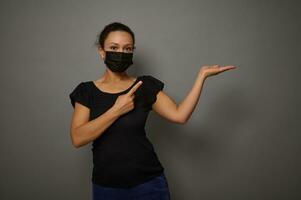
(207, 153)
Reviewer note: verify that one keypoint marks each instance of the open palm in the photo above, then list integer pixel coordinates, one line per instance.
(207, 71)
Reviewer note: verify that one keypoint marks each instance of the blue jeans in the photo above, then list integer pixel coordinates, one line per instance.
(154, 189)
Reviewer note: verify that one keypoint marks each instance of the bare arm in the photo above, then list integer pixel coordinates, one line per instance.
(83, 131)
(168, 108)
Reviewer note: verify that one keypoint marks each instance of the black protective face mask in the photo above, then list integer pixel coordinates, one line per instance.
(118, 61)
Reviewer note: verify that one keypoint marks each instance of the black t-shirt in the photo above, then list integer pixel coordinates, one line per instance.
(123, 156)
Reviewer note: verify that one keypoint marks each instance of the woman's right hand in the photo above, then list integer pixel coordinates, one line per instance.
(125, 102)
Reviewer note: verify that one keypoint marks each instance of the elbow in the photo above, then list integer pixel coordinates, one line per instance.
(75, 144)
(182, 121)
(74, 140)
(178, 117)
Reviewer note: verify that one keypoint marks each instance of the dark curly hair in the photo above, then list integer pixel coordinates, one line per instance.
(114, 26)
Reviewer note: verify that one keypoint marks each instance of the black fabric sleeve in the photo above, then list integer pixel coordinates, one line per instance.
(155, 86)
(80, 94)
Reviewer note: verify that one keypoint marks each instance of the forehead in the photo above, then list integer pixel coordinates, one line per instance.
(119, 37)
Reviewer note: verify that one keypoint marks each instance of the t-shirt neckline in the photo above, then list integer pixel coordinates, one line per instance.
(116, 93)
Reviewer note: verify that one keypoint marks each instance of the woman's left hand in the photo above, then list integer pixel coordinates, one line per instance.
(207, 71)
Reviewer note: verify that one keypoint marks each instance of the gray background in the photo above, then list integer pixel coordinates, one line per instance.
(241, 142)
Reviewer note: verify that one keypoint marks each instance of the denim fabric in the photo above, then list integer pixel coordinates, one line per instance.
(155, 189)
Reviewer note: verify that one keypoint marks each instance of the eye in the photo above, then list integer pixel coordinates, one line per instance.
(114, 48)
(129, 49)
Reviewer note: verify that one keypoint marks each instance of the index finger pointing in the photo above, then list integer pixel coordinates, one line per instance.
(134, 88)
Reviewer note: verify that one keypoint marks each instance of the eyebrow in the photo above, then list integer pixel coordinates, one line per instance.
(117, 43)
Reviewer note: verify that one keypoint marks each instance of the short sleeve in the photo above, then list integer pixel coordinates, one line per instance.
(80, 94)
(155, 86)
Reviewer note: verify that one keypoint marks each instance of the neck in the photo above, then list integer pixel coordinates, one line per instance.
(110, 76)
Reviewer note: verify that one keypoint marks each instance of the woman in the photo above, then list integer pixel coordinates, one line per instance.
(111, 113)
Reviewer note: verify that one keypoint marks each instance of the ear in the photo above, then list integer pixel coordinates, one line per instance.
(101, 52)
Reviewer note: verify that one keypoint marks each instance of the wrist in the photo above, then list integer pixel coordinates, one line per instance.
(114, 111)
(202, 76)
